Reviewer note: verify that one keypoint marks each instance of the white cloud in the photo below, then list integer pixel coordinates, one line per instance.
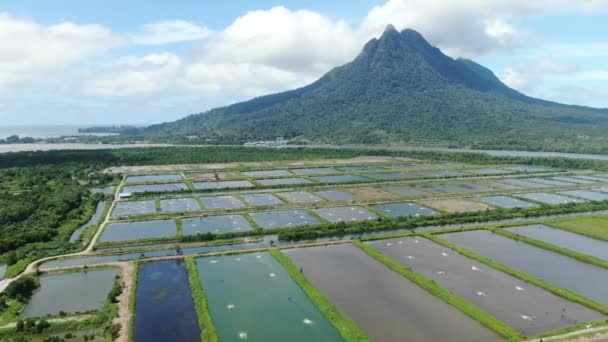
(470, 27)
(171, 31)
(290, 40)
(29, 50)
(135, 75)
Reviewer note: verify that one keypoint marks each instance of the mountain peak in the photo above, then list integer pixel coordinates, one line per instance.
(390, 28)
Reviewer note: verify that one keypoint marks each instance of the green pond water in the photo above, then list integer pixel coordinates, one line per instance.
(251, 297)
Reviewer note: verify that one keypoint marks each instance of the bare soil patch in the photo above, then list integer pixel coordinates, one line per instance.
(372, 194)
(455, 205)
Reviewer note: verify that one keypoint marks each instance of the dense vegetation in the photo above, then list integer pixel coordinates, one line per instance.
(400, 89)
(44, 196)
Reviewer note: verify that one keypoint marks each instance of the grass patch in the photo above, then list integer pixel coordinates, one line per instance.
(132, 301)
(431, 287)
(595, 226)
(205, 322)
(553, 248)
(345, 326)
(564, 293)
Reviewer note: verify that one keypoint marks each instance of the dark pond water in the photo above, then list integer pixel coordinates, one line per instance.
(164, 309)
(560, 270)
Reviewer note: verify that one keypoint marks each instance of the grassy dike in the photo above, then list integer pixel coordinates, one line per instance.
(431, 287)
(132, 301)
(208, 333)
(345, 326)
(553, 248)
(564, 293)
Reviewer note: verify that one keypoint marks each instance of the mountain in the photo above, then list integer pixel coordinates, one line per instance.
(398, 89)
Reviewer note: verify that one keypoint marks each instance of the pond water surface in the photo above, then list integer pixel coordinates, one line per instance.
(251, 297)
(164, 308)
(70, 292)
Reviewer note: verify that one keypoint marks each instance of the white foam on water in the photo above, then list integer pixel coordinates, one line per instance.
(213, 262)
(474, 268)
(258, 256)
(527, 318)
(389, 244)
(272, 275)
(230, 306)
(519, 288)
(238, 259)
(307, 321)
(440, 273)
(243, 335)
(444, 253)
(400, 242)
(411, 257)
(480, 293)
(416, 241)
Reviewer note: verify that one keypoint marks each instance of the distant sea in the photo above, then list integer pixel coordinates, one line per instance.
(43, 132)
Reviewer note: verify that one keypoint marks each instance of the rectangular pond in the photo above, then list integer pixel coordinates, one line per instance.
(383, 303)
(257, 200)
(283, 181)
(586, 194)
(466, 187)
(552, 199)
(573, 180)
(345, 214)
(441, 173)
(526, 168)
(179, 205)
(392, 175)
(164, 309)
(403, 209)
(524, 183)
(153, 178)
(548, 181)
(130, 231)
(488, 171)
(222, 202)
(283, 219)
(340, 179)
(562, 238)
(94, 220)
(356, 168)
(592, 178)
(251, 297)
(526, 308)
(267, 173)
(314, 171)
(300, 197)
(337, 195)
(505, 202)
(222, 185)
(215, 224)
(70, 292)
(404, 190)
(552, 267)
(131, 208)
(167, 187)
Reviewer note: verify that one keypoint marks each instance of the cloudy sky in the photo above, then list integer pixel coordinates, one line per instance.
(140, 62)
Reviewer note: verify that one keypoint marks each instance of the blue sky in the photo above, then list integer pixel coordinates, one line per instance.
(140, 62)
